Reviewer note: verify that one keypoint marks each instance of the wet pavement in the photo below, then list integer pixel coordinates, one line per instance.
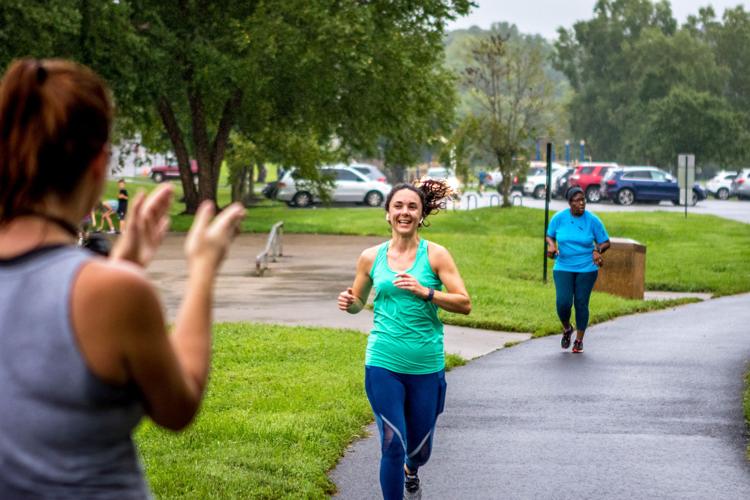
(652, 409)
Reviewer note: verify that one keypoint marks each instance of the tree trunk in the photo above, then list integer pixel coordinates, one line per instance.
(180, 149)
(210, 157)
(238, 185)
(506, 168)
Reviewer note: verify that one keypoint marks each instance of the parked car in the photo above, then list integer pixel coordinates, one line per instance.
(588, 177)
(448, 175)
(161, 173)
(627, 185)
(349, 186)
(741, 184)
(371, 171)
(720, 185)
(536, 178)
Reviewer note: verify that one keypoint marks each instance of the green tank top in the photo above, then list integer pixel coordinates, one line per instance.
(407, 336)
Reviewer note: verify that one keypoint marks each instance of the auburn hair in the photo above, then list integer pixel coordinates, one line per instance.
(55, 118)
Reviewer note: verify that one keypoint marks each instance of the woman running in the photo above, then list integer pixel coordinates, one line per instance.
(405, 359)
(576, 239)
(84, 350)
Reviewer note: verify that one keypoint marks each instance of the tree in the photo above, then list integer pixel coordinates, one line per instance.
(508, 83)
(312, 70)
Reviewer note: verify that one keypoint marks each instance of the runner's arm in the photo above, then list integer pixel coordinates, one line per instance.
(354, 298)
(455, 298)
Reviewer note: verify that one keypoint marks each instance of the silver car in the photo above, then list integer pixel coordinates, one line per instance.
(370, 171)
(349, 186)
(741, 184)
(720, 185)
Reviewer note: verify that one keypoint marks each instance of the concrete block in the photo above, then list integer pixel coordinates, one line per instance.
(624, 269)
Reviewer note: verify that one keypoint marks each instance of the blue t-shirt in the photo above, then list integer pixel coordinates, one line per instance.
(575, 238)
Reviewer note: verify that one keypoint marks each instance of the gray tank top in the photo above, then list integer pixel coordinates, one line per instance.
(64, 433)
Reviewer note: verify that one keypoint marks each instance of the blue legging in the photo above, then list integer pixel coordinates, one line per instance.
(406, 408)
(574, 288)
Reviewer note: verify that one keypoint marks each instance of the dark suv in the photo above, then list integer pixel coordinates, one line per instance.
(588, 176)
(627, 185)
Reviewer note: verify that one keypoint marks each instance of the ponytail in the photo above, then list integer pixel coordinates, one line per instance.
(55, 119)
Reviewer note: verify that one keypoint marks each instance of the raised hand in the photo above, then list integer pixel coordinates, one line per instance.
(209, 236)
(147, 224)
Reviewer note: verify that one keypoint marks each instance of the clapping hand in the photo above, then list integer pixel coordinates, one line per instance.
(147, 224)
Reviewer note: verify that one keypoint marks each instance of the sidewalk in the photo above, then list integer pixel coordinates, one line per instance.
(301, 289)
(652, 409)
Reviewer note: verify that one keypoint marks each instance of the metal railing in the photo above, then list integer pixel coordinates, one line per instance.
(273, 249)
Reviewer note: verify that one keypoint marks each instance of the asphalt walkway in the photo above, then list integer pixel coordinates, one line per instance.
(652, 409)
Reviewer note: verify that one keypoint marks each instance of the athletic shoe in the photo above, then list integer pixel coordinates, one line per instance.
(412, 490)
(565, 342)
(578, 346)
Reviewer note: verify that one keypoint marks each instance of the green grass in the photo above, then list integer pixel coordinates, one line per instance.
(499, 255)
(282, 405)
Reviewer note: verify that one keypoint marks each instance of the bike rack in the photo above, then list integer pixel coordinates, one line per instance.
(469, 197)
(514, 197)
(494, 197)
(273, 249)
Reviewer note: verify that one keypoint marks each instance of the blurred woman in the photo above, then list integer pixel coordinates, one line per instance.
(576, 239)
(405, 359)
(84, 351)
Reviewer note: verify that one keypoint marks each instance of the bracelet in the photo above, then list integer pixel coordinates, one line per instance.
(430, 295)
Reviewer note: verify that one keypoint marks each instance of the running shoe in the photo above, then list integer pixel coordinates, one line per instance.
(565, 342)
(578, 346)
(412, 490)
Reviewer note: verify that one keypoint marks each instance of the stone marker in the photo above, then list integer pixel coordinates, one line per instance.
(624, 269)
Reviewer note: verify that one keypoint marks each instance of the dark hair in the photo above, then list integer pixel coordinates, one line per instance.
(55, 118)
(431, 193)
(572, 192)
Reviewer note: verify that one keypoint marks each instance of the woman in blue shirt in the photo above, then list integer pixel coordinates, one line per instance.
(577, 239)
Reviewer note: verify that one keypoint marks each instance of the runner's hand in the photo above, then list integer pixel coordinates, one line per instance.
(597, 257)
(409, 282)
(346, 299)
(209, 237)
(146, 226)
(552, 251)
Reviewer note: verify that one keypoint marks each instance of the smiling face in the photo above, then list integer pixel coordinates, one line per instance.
(405, 212)
(577, 204)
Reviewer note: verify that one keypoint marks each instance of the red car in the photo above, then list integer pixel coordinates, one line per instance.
(163, 173)
(588, 176)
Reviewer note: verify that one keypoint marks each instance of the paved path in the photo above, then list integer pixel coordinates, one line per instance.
(301, 289)
(652, 409)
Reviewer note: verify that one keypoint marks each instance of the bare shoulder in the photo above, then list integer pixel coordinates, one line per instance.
(368, 255)
(114, 307)
(436, 251)
(115, 288)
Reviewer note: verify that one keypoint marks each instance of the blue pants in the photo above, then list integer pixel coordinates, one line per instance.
(574, 288)
(406, 408)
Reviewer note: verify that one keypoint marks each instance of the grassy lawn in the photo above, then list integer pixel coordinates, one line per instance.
(700, 254)
(282, 405)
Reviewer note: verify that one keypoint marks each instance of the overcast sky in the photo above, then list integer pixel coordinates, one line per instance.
(544, 16)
